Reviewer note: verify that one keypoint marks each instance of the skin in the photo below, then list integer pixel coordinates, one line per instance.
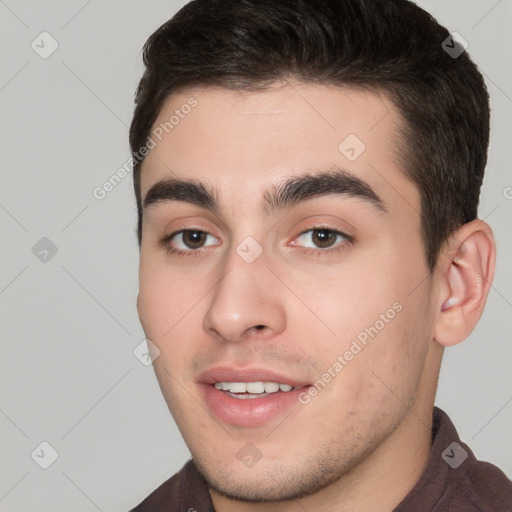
(363, 441)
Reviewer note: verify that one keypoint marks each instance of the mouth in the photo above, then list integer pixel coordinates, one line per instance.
(250, 397)
(251, 390)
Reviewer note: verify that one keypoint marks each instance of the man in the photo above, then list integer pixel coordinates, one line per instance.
(307, 176)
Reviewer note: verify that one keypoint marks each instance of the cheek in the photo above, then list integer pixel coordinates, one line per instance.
(161, 310)
(171, 306)
(345, 302)
(378, 328)
(162, 291)
(154, 304)
(393, 360)
(162, 303)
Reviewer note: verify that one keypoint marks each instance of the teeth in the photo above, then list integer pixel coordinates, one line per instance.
(255, 387)
(252, 387)
(271, 387)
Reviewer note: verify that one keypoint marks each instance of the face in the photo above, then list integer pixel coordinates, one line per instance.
(261, 276)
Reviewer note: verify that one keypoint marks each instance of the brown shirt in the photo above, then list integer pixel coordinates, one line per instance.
(452, 481)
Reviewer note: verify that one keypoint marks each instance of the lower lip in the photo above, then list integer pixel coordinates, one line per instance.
(250, 412)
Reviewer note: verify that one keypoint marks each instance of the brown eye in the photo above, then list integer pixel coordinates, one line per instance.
(323, 238)
(187, 242)
(193, 239)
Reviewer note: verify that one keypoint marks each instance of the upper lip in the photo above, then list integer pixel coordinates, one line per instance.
(229, 374)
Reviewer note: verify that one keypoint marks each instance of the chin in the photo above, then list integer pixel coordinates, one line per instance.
(267, 481)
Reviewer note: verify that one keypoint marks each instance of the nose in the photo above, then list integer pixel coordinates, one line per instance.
(246, 301)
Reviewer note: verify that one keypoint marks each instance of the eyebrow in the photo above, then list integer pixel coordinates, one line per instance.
(288, 193)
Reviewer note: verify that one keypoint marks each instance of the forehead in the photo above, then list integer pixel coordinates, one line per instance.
(246, 142)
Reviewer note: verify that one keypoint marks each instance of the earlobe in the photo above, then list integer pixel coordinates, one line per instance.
(466, 279)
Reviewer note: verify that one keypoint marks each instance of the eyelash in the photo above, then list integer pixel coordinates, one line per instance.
(166, 242)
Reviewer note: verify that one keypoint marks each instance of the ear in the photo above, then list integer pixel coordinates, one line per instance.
(466, 269)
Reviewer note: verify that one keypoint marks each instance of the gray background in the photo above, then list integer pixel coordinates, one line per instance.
(68, 329)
